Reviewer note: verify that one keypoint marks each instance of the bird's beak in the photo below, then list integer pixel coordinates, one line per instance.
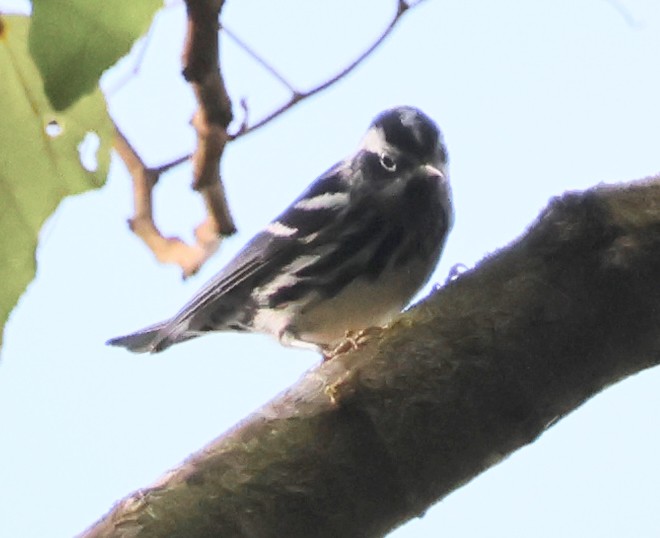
(432, 171)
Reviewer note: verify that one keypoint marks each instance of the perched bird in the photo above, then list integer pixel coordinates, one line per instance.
(347, 255)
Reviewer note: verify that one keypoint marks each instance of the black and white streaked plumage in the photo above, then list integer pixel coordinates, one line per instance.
(348, 254)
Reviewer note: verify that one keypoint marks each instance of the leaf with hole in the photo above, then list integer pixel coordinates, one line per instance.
(44, 156)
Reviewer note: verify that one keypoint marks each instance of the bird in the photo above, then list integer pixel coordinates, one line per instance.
(347, 255)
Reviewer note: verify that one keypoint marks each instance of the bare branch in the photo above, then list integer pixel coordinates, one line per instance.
(166, 249)
(298, 96)
(263, 63)
(172, 164)
(201, 68)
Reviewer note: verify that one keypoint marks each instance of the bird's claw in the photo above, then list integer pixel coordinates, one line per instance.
(352, 340)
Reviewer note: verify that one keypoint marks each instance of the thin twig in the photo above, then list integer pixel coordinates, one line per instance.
(166, 249)
(141, 48)
(201, 68)
(263, 63)
(246, 114)
(172, 164)
(297, 97)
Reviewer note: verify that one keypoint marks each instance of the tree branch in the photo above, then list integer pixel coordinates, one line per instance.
(374, 437)
(257, 58)
(298, 96)
(166, 249)
(201, 68)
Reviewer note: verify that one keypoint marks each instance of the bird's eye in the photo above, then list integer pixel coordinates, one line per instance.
(387, 162)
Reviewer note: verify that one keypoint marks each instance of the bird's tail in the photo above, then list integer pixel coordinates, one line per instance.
(151, 339)
(155, 338)
(141, 341)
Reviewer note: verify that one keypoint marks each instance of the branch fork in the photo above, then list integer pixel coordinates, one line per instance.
(201, 68)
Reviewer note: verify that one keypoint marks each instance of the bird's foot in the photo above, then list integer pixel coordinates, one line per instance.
(352, 340)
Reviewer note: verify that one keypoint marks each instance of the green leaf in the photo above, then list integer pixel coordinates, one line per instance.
(37, 169)
(74, 41)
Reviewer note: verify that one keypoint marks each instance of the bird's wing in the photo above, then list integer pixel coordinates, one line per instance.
(255, 258)
(262, 258)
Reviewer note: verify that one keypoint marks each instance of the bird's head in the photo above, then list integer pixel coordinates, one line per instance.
(402, 141)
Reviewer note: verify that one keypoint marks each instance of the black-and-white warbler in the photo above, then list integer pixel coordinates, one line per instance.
(347, 255)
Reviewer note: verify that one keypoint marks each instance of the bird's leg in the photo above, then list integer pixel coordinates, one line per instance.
(352, 340)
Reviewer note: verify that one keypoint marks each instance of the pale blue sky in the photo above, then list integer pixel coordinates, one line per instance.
(534, 98)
